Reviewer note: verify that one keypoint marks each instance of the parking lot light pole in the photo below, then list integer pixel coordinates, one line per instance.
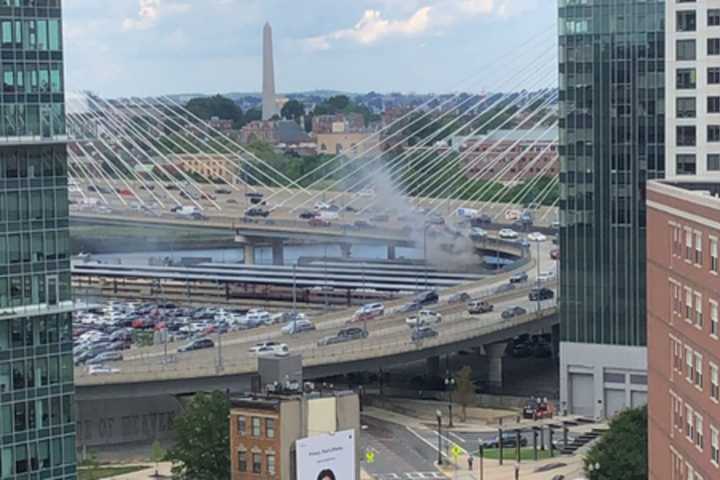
(450, 385)
(481, 451)
(438, 414)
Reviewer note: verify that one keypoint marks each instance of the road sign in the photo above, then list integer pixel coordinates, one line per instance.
(456, 451)
(370, 456)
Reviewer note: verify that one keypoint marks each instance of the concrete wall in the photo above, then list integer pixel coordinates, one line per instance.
(116, 422)
(290, 430)
(592, 362)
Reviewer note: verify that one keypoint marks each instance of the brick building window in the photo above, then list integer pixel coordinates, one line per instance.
(698, 371)
(256, 431)
(689, 365)
(714, 385)
(688, 244)
(242, 461)
(257, 462)
(698, 248)
(241, 424)
(689, 425)
(699, 435)
(714, 255)
(714, 447)
(688, 304)
(678, 413)
(698, 310)
(270, 427)
(270, 463)
(677, 356)
(676, 240)
(713, 319)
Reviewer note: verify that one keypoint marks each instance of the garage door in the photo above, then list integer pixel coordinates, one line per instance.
(581, 394)
(638, 399)
(614, 401)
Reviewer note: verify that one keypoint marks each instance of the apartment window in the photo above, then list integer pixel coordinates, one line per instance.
(713, 46)
(688, 244)
(713, 105)
(686, 78)
(689, 424)
(713, 133)
(714, 386)
(686, 107)
(689, 365)
(270, 427)
(713, 319)
(686, 21)
(714, 447)
(256, 426)
(685, 50)
(270, 463)
(713, 17)
(713, 162)
(714, 255)
(688, 304)
(242, 461)
(257, 462)
(685, 164)
(698, 310)
(699, 437)
(698, 248)
(686, 135)
(241, 424)
(698, 371)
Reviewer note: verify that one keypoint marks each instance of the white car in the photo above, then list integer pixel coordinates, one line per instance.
(369, 311)
(545, 276)
(298, 326)
(536, 237)
(101, 370)
(280, 350)
(256, 318)
(262, 345)
(423, 319)
(508, 234)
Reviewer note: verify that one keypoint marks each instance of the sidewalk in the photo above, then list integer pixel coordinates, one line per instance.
(492, 470)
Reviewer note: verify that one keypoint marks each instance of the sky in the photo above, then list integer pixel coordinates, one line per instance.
(151, 47)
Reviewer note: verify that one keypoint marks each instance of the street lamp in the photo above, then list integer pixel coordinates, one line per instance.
(438, 414)
(449, 386)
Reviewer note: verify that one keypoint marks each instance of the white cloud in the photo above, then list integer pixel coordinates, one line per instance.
(150, 12)
(434, 15)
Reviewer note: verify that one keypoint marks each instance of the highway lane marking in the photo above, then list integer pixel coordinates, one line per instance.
(455, 435)
(424, 440)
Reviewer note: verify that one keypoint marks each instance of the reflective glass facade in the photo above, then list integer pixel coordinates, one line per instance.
(37, 407)
(612, 80)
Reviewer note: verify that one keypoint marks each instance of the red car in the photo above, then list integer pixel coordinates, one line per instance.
(318, 222)
(555, 253)
(125, 192)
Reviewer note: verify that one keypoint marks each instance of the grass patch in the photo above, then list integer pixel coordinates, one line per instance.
(511, 454)
(97, 473)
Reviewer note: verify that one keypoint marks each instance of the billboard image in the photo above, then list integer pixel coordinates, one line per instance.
(327, 457)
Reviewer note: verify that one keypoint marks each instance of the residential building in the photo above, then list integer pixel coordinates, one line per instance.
(611, 141)
(212, 166)
(693, 88)
(275, 132)
(338, 123)
(337, 143)
(265, 428)
(37, 401)
(510, 155)
(683, 271)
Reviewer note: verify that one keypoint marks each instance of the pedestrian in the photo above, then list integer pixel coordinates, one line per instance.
(470, 462)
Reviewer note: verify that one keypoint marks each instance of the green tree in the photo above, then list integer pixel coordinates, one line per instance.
(622, 451)
(293, 110)
(217, 106)
(202, 449)
(157, 455)
(465, 390)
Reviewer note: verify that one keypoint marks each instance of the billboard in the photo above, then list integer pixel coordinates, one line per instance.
(327, 457)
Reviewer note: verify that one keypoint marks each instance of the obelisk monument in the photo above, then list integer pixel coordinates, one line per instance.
(269, 107)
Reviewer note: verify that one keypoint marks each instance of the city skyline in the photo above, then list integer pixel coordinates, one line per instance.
(209, 48)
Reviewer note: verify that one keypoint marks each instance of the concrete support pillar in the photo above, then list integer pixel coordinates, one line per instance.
(278, 252)
(249, 254)
(495, 353)
(432, 367)
(555, 341)
(391, 254)
(345, 250)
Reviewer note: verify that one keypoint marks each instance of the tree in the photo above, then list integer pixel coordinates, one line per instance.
(465, 391)
(293, 110)
(202, 449)
(622, 451)
(217, 106)
(157, 455)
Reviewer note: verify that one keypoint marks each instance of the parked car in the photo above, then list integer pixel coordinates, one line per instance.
(546, 276)
(427, 298)
(511, 312)
(537, 408)
(509, 439)
(255, 197)
(298, 326)
(479, 307)
(257, 212)
(369, 311)
(307, 215)
(422, 333)
(223, 191)
(477, 233)
(520, 277)
(540, 294)
(424, 318)
(480, 220)
(536, 237)
(318, 222)
(197, 344)
(462, 297)
(344, 335)
(508, 234)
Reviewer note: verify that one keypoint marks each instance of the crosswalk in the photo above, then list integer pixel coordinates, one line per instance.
(410, 476)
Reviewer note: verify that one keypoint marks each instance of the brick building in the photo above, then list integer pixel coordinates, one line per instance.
(683, 274)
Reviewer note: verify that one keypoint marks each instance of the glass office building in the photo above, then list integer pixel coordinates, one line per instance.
(37, 416)
(612, 82)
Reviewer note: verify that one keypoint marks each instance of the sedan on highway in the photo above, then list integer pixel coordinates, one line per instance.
(198, 344)
(539, 294)
(409, 307)
(508, 234)
(344, 335)
(479, 307)
(511, 312)
(318, 222)
(520, 277)
(423, 333)
(424, 318)
(477, 233)
(273, 351)
(536, 237)
(298, 326)
(462, 297)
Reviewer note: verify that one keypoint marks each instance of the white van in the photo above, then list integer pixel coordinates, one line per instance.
(467, 212)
